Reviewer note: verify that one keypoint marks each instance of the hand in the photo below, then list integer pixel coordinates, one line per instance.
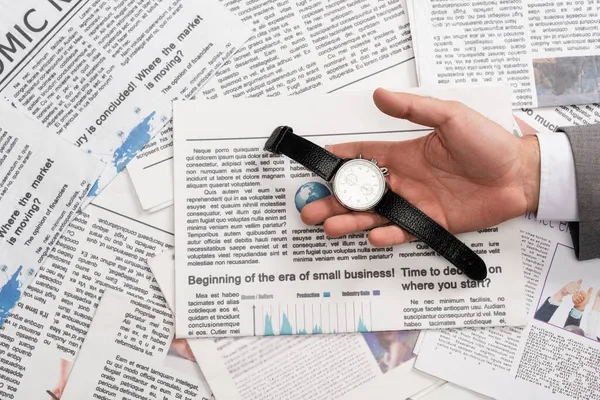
(568, 289)
(468, 174)
(581, 299)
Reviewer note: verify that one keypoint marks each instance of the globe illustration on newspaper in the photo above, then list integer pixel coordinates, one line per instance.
(310, 192)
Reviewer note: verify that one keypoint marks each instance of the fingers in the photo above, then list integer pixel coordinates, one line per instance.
(418, 109)
(580, 296)
(573, 287)
(339, 222)
(318, 211)
(345, 224)
(390, 235)
(351, 222)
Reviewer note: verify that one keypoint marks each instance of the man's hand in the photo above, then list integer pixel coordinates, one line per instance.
(468, 174)
(581, 299)
(569, 289)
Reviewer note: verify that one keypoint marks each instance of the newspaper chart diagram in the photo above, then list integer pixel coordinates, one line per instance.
(315, 318)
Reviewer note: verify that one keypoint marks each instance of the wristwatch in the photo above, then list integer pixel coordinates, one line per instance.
(360, 185)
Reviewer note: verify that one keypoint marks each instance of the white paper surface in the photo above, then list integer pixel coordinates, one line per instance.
(448, 391)
(40, 192)
(547, 51)
(130, 352)
(555, 355)
(102, 74)
(297, 47)
(238, 207)
(350, 366)
(105, 247)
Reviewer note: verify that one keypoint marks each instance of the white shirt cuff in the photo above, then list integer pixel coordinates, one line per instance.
(575, 313)
(554, 303)
(558, 184)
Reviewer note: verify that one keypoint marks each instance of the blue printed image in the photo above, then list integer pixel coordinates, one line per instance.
(310, 192)
(136, 140)
(10, 294)
(94, 189)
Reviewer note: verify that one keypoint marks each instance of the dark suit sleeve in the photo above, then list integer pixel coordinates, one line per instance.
(545, 312)
(572, 321)
(585, 143)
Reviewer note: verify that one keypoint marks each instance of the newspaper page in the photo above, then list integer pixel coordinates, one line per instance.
(40, 192)
(130, 352)
(102, 73)
(297, 47)
(552, 118)
(247, 265)
(345, 366)
(556, 355)
(548, 51)
(105, 247)
(448, 391)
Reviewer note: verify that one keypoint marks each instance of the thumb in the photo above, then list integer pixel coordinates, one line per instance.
(418, 109)
(579, 282)
(589, 292)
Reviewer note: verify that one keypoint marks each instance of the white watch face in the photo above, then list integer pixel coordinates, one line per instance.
(359, 185)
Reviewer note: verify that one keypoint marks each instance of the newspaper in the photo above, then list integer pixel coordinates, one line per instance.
(551, 119)
(547, 51)
(297, 47)
(105, 247)
(448, 391)
(247, 265)
(102, 73)
(345, 366)
(40, 192)
(130, 352)
(556, 355)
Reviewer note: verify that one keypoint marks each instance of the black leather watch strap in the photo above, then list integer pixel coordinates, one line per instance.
(284, 141)
(418, 224)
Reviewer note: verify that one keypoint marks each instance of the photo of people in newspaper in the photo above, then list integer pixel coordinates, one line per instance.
(567, 80)
(180, 358)
(181, 348)
(571, 296)
(65, 369)
(392, 348)
(524, 128)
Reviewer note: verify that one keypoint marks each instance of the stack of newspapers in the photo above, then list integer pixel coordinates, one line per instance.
(151, 249)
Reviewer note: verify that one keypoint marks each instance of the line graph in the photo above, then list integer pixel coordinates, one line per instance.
(312, 318)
